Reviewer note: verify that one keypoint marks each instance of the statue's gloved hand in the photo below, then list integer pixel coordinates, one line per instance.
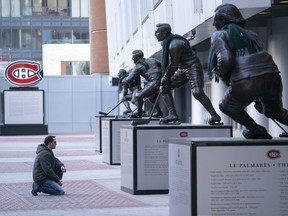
(216, 73)
(123, 99)
(161, 89)
(124, 82)
(165, 81)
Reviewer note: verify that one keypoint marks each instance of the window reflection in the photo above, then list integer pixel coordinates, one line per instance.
(76, 68)
(20, 38)
(18, 8)
(69, 36)
(45, 7)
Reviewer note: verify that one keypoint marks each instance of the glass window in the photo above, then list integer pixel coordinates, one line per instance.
(15, 8)
(145, 6)
(62, 36)
(75, 8)
(134, 14)
(52, 7)
(15, 38)
(26, 39)
(156, 3)
(5, 38)
(84, 8)
(27, 8)
(80, 36)
(63, 7)
(80, 8)
(37, 7)
(76, 68)
(36, 39)
(5, 8)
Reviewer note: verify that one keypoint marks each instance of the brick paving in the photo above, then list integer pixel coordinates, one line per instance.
(94, 187)
(39, 139)
(11, 154)
(78, 194)
(12, 167)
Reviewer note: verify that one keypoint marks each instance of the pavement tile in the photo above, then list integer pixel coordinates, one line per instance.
(11, 154)
(78, 194)
(92, 187)
(71, 165)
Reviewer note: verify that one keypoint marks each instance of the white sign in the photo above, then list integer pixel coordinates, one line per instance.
(23, 107)
(242, 180)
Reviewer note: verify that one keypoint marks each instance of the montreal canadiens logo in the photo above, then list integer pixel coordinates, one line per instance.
(273, 154)
(24, 73)
(183, 134)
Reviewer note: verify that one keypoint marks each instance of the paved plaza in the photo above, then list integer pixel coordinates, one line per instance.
(91, 186)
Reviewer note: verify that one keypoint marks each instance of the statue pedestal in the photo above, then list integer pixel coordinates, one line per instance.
(144, 154)
(110, 135)
(23, 112)
(98, 132)
(228, 176)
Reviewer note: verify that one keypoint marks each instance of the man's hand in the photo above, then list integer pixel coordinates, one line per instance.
(63, 169)
(60, 182)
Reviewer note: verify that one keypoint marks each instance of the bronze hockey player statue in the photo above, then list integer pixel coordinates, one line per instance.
(238, 59)
(179, 66)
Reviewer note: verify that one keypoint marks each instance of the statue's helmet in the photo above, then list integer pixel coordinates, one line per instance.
(138, 53)
(121, 73)
(163, 27)
(162, 31)
(230, 12)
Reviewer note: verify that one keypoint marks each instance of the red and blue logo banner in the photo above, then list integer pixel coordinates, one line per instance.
(24, 73)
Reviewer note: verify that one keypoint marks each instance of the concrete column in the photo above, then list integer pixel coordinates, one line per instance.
(278, 48)
(196, 111)
(98, 38)
(217, 92)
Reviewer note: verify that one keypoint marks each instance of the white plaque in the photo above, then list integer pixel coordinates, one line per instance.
(24, 107)
(242, 180)
(180, 187)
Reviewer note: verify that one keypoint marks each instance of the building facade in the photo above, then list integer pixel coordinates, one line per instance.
(131, 25)
(28, 25)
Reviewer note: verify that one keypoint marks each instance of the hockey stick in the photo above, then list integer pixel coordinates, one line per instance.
(105, 114)
(146, 121)
(284, 134)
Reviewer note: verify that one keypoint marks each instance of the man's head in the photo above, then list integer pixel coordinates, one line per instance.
(162, 31)
(227, 13)
(122, 73)
(50, 142)
(137, 55)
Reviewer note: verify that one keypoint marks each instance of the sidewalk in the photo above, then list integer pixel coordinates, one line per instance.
(92, 187)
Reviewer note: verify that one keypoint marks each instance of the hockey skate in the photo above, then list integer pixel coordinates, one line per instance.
(157, 114)
(172, 118)
(215, 120)
(258, 133)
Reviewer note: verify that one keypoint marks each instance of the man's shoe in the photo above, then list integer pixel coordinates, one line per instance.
(34, 193)
(35, 187)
